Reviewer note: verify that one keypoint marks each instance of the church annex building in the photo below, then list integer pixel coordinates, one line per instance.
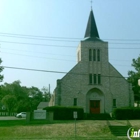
(93, 83)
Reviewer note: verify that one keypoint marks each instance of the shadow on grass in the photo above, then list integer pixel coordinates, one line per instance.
(8, 123)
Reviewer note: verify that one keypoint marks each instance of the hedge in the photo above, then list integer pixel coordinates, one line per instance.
(126, 113)
(65, 113)
(101, 116)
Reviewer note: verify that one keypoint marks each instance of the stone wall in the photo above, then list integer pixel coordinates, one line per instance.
(75, 84)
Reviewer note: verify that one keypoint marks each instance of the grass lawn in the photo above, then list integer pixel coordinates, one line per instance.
(58, 130)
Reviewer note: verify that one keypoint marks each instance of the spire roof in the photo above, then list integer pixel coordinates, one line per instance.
(91, 30)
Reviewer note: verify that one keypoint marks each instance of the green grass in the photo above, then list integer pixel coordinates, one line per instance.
(11, 123)
(57, 130)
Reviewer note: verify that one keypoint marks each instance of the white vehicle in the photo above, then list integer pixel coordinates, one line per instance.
(21, 115)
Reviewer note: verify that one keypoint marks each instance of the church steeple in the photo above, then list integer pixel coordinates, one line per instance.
(91, 30)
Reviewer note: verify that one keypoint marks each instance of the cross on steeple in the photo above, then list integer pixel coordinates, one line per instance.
(91, 4)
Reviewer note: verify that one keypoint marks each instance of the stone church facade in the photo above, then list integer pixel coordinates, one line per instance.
(93, 83)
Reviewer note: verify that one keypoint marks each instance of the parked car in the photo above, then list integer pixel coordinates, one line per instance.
(21, 115)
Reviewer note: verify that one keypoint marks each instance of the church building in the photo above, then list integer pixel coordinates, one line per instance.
(93, 83)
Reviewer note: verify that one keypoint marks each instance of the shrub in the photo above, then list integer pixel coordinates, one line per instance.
(102, 116)
(136, 113)
(65, 113)
(126, 113)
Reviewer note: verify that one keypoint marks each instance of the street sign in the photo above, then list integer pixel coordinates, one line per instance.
(39, 114)
(75, 115)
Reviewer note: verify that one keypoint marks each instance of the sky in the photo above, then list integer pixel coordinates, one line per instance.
(44, 35)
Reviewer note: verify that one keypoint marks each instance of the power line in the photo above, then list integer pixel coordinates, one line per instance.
(37, 52)
(123, 39)
(39, 57)
(49, 37)
(48, 53)
(34, 44)
(60, 59)
(35, 36)
(33, 69)
(48, 71)
(40, 38)
(126, 43)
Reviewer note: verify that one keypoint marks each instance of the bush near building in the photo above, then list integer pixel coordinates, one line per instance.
(101, 116)
(65, 113)
(126, 113)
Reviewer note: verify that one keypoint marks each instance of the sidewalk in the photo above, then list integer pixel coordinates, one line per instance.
(10, 118)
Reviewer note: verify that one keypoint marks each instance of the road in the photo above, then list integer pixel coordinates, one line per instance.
(10, 118)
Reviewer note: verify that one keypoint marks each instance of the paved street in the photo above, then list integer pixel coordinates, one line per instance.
(10, 118)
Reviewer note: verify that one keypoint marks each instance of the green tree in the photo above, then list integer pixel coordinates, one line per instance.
(9, 101)
(28, 98)
(34, 98)
(134, 76)
(1, 79)
(15, 89)
(35, 93)
(1, 69)
(19, 92)
(46, 94)
(23, 106)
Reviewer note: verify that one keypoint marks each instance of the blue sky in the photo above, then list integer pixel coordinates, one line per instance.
(44, 35)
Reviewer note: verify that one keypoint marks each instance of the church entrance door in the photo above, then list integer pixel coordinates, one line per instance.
(94, 106)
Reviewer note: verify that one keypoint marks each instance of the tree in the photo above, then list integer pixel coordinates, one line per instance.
(19, 92)
(15, 89)
(9, 101)
(46, 94)
(1, 69)
(1, 79)
(28, 98)
(35, 93)
(22, 106)
(134, 76)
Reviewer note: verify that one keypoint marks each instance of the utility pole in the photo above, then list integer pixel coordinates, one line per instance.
(49, 88)
(139, 82)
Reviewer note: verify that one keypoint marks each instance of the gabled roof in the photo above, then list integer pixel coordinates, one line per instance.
(42, 105)
(91, 30)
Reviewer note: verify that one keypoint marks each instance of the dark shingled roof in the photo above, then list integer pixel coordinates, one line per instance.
(91, 31)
